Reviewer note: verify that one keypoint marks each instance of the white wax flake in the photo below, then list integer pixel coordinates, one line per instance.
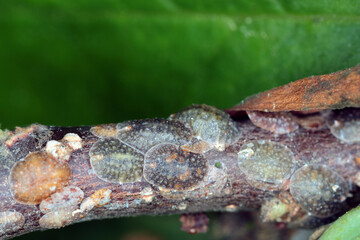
(10, 222)
(148, 198)
(147, 194)
(58, 150)
(100, 198)
(147, 191)
(70, 196)
(182, 206)
(231, 208)
(57, 219)
(246, 153)
(73, 141)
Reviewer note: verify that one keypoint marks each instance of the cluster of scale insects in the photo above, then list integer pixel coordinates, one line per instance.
(170, 154)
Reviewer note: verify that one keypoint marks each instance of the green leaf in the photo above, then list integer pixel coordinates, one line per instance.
(346, 227)
(86, 62)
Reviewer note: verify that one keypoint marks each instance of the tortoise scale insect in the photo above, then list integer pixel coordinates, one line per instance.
(168, 153)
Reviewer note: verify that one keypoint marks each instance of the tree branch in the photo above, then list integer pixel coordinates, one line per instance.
(227, 188)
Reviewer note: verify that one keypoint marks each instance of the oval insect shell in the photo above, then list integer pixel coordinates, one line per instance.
(319, 190)
(145, 133)
(114, 161)
(210, 125)
(170, 168)
(267, 165)
(58, 218)
(68, 197)
(37, 177)
(345, 124)
(276, 122)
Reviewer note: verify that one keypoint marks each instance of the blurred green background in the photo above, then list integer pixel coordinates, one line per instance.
(87, 62)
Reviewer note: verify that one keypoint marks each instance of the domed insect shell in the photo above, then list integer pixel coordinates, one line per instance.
(267, 165)
(170, 168)
(319, 190)
(37, 177)
(344, 124)
(145, 133)
(276, 122)
(210, 125)
(114, 161)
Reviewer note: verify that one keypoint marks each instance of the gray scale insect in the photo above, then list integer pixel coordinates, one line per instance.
(267, 165)
(210, 125)
(114, 161)
(146, 133)
(168, 167)
(318, 189)
(344, 124)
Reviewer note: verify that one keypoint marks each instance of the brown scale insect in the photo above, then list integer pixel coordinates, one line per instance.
(37, 177)
(170, 168)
